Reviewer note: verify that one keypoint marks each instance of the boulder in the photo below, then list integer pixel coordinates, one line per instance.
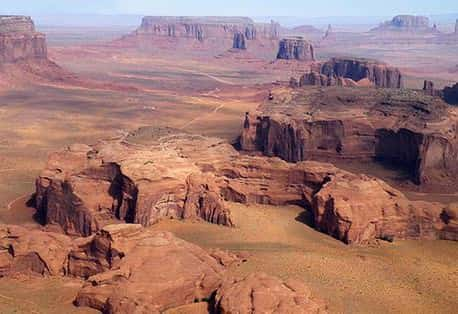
(32, 252)
(295, 49)
(133, 270)
(260, 293)
(380, 74)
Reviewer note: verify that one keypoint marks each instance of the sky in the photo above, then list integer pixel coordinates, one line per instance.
(302, 8)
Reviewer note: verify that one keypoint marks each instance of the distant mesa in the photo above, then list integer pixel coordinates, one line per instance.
(306, 29)
(202, 28)
(19, 39)
(296, 48)
(406, 23)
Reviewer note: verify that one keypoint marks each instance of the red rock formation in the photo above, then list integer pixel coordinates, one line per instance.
(295, 49)
(84, 188)
(420, 135)
(380, 74)
(260, 293)
(19, 40)
(136, 270)
(25, 251)
(207, 171)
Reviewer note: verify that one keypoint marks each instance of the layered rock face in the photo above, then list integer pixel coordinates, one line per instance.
(406, 23)
(206, 174)
(295, 49)
(239, 41)
(378, 73)
(316, 79)
(19, 40)
(415, 132)
(260, 293)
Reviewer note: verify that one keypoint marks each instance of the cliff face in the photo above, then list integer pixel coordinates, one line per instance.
(295, 49)
(421, 137)
(451, 94)
(19, 40)
(376, 72)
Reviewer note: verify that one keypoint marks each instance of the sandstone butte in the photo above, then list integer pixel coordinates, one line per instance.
(352, 72)
(19, 40)
(296, 49)
(130, 269)
(415, 132)
(131, 180)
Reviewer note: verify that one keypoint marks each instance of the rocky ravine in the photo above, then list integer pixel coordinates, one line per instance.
(130, 269)
(84, 188)
(19, 40)
(414, 131)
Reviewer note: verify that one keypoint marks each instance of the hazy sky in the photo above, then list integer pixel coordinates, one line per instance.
(303, 8)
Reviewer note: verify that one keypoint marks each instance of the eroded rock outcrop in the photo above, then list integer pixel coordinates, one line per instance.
(416, 132)
(134, 270)
(27, 252)
(378, 73)
(295, 49)
(84, 188)
(19, 40)
(260, 293)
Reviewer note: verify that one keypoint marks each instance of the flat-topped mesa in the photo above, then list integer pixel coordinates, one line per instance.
(239, 41)
(415, 132)
(456, 27)
(202, 28)
(378, 73)
(296, 49)
(19, 40)
(406, 23)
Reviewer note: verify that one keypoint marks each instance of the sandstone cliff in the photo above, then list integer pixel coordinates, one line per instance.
(295, 49)
(380, 74)
(413, 131)
(19, 40)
